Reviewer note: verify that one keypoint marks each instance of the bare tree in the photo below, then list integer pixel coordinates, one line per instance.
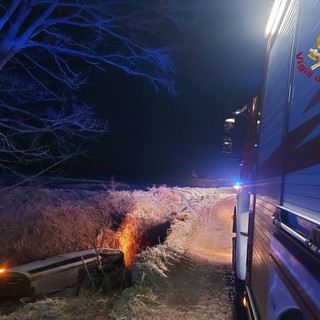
(46, 50)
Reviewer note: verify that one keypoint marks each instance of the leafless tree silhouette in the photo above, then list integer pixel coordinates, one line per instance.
(47, 48)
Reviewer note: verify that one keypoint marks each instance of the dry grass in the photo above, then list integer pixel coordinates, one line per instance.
(151, 266)
(37, 223)
(76, 308)
(72, 224)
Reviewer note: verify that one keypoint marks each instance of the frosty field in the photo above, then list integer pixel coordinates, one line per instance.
(185, 275)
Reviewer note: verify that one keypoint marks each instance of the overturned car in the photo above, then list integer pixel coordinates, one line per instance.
(55, 273)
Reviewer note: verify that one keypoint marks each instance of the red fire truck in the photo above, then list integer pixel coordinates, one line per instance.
(276, 248)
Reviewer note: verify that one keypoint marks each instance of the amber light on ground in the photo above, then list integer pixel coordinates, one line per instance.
(244, 301)
(2, 270)
(127, 239)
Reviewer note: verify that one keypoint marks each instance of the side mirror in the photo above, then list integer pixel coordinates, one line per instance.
(229, 126)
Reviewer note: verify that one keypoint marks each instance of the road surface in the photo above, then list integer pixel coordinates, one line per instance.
(200, 285)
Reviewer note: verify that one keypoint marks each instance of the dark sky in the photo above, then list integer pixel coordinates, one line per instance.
(219, 68)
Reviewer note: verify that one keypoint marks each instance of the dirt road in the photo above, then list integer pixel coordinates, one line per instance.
(200, 285)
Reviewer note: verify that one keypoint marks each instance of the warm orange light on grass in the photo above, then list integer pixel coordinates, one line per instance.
(127, 239)
(2, 270)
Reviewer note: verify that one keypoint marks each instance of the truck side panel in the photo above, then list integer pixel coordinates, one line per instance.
(269, 175)
(302, 176)
(284, 239)
(259, 276)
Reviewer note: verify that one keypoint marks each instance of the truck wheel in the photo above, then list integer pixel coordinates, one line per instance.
(112, 256)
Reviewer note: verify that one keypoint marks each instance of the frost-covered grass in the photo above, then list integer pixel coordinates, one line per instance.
(37, 223)
(151, 266)
(73, 308)
(101, 214)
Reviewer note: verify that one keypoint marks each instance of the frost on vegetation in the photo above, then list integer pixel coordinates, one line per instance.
(149, 273)
(72, 308)
(152, 264)
(178, 233)
(105, 211)
(151, 267)
(36, 223)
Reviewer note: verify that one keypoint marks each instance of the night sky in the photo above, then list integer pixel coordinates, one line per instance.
(219, 68)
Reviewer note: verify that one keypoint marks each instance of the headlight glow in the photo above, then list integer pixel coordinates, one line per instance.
(237, 185)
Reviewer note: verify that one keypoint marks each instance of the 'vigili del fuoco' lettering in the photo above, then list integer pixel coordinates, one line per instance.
(301, 67)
